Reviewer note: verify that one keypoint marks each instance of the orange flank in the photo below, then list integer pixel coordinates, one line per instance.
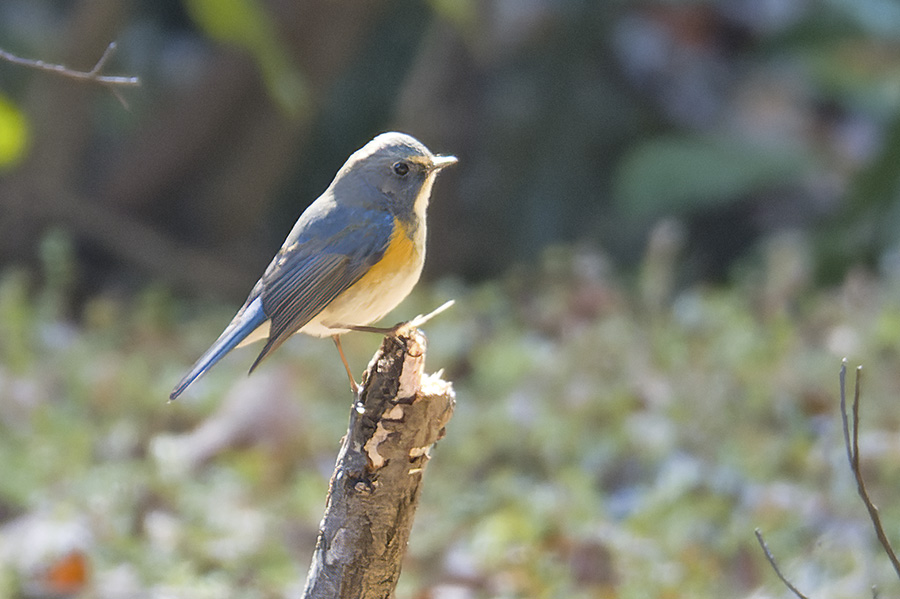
(384, 286)
(399, 257)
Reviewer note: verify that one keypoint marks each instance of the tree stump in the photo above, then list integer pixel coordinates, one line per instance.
(397, 417)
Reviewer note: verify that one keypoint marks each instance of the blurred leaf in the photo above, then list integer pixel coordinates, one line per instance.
(674, 175)
(14, 134)
(59, 267)
(461, 12)
(876, 17)
(16, 320)
(245, 23)
(867, 222)
(66, 575)
(858, 72)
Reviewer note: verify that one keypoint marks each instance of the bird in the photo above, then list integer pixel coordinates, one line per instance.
(353, 255)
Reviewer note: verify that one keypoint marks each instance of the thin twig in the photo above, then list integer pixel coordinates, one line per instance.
(852, 443)
(774, 564)
(420, 319)
(842, 377)
(92, 76)
(107, 54)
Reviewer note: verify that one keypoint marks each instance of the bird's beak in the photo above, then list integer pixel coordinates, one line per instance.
(439, 162)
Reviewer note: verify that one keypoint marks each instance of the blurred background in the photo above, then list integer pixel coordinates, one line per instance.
(670, 221)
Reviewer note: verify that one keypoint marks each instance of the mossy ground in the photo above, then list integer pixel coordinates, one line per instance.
(607, 441)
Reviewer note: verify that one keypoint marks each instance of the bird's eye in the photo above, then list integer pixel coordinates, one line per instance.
(401, 168)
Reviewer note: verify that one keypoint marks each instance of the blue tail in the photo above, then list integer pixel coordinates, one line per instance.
(245, 322)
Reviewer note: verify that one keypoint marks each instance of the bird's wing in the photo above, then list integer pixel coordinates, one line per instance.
(321, 264)
(328, 250)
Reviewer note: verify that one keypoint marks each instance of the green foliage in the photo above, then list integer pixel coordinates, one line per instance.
(15, 134)
(682, 175)
(246, 24)
(870, 219)
(463, 13)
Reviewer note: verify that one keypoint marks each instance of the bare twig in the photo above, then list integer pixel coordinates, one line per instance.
(774, 564)
(92, 75)
(842, 377)
(422, 319)
(852, 443)
(111, 82)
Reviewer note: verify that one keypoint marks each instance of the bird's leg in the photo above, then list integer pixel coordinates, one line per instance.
(379, 330)
(397, 329)
(353, 386)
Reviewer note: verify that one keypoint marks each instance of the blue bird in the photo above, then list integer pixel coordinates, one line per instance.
(352, 256)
